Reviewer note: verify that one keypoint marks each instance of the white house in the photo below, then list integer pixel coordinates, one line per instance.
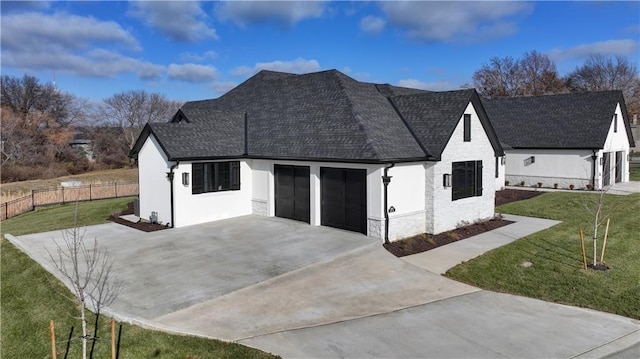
(325, 149)
(564, 140)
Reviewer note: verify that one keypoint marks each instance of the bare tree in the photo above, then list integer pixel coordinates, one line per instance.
(88, 271)
(539, 75)
(500, 78)
(27, 95)
(606, 73)
(532, 75)
(131, 110)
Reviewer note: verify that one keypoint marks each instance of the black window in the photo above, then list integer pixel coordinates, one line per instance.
(467, 127)
(467, 179)
(215, 177)
(615, 123)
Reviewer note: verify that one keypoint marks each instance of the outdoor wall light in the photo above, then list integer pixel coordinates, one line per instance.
(446, 180)
(504, 159)
(601, 161)
(185, 179)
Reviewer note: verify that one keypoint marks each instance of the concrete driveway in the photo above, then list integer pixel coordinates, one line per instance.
(312, 292)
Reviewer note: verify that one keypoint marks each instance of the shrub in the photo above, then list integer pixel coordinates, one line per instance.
(571, 186)
(539, 184)
(522, 183)
(555, 185)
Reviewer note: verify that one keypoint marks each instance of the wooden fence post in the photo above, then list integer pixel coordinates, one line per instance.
(33, 199)
(53, 339)
(115, 185)
(90, 196)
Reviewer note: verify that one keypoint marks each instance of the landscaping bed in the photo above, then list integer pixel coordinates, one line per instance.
(512, 195)
(140, 225)
(424, 242)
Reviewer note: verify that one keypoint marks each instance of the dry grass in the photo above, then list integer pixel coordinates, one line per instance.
(15, 190)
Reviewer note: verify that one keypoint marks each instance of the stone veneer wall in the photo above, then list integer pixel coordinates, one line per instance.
(260, 207)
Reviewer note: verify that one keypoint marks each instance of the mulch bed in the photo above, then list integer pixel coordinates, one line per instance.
(424, 242)
(141, 225)
(512, 195)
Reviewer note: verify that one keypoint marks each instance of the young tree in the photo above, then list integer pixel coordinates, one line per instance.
(88, 271)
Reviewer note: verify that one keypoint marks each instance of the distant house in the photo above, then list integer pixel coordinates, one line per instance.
(81, 142)
(324, 149)
(574, 139)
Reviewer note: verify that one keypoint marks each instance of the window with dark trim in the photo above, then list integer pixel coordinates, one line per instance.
(467, 127)
(615, 122)
(215, 177)
(467, 179)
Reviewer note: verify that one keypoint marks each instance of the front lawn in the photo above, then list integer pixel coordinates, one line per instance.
(30, 297)
(556, 274)
(634, 172)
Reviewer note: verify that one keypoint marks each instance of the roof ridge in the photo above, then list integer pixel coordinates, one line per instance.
(356, 116)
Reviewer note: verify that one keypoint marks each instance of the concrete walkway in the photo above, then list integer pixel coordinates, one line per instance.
(313, 292)
(441, 259)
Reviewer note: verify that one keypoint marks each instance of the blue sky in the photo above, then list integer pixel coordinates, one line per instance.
(196, 50)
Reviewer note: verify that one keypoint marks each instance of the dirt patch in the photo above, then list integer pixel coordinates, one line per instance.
(140, 225)
(512, 195)
(424, 242)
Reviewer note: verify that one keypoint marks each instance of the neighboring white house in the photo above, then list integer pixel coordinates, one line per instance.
(325, 149)
(564, 140)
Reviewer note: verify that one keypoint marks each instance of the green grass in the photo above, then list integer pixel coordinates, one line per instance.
(557, 274)
(30, 297)
(634, 172)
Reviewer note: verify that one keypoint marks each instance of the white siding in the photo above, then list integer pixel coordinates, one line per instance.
(501, 173)
(406, 194)
(551, 166)
(212, 206)
(567, 167)
(617, 141)
(153, 182)
(445, 213)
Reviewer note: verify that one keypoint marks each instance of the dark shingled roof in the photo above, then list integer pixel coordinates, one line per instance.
(575, 120)
(319, 116)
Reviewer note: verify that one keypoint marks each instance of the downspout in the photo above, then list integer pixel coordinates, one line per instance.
(170, 175)
(594, 157)
(386, 179)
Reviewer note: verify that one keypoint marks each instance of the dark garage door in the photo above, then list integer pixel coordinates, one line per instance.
(292, 192)
(344, 198)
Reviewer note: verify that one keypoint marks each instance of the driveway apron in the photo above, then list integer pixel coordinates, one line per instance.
(314, 292)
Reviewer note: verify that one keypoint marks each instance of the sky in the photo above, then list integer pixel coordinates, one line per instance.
(193, 50)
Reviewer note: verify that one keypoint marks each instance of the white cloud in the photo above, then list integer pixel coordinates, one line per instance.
(287, 13)
(609, 47)
(192, 57)
(35, 31)
(192, 72)
(297, 66)
(431, 86)
(372, 24)
(450, 21)
(70, 44)
(178, 20)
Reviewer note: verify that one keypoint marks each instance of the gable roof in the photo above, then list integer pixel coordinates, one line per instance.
(324, 116)
(574, 120)
(424, 114)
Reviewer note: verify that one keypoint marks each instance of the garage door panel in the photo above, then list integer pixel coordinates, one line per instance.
(344, 203)
(292, 192)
